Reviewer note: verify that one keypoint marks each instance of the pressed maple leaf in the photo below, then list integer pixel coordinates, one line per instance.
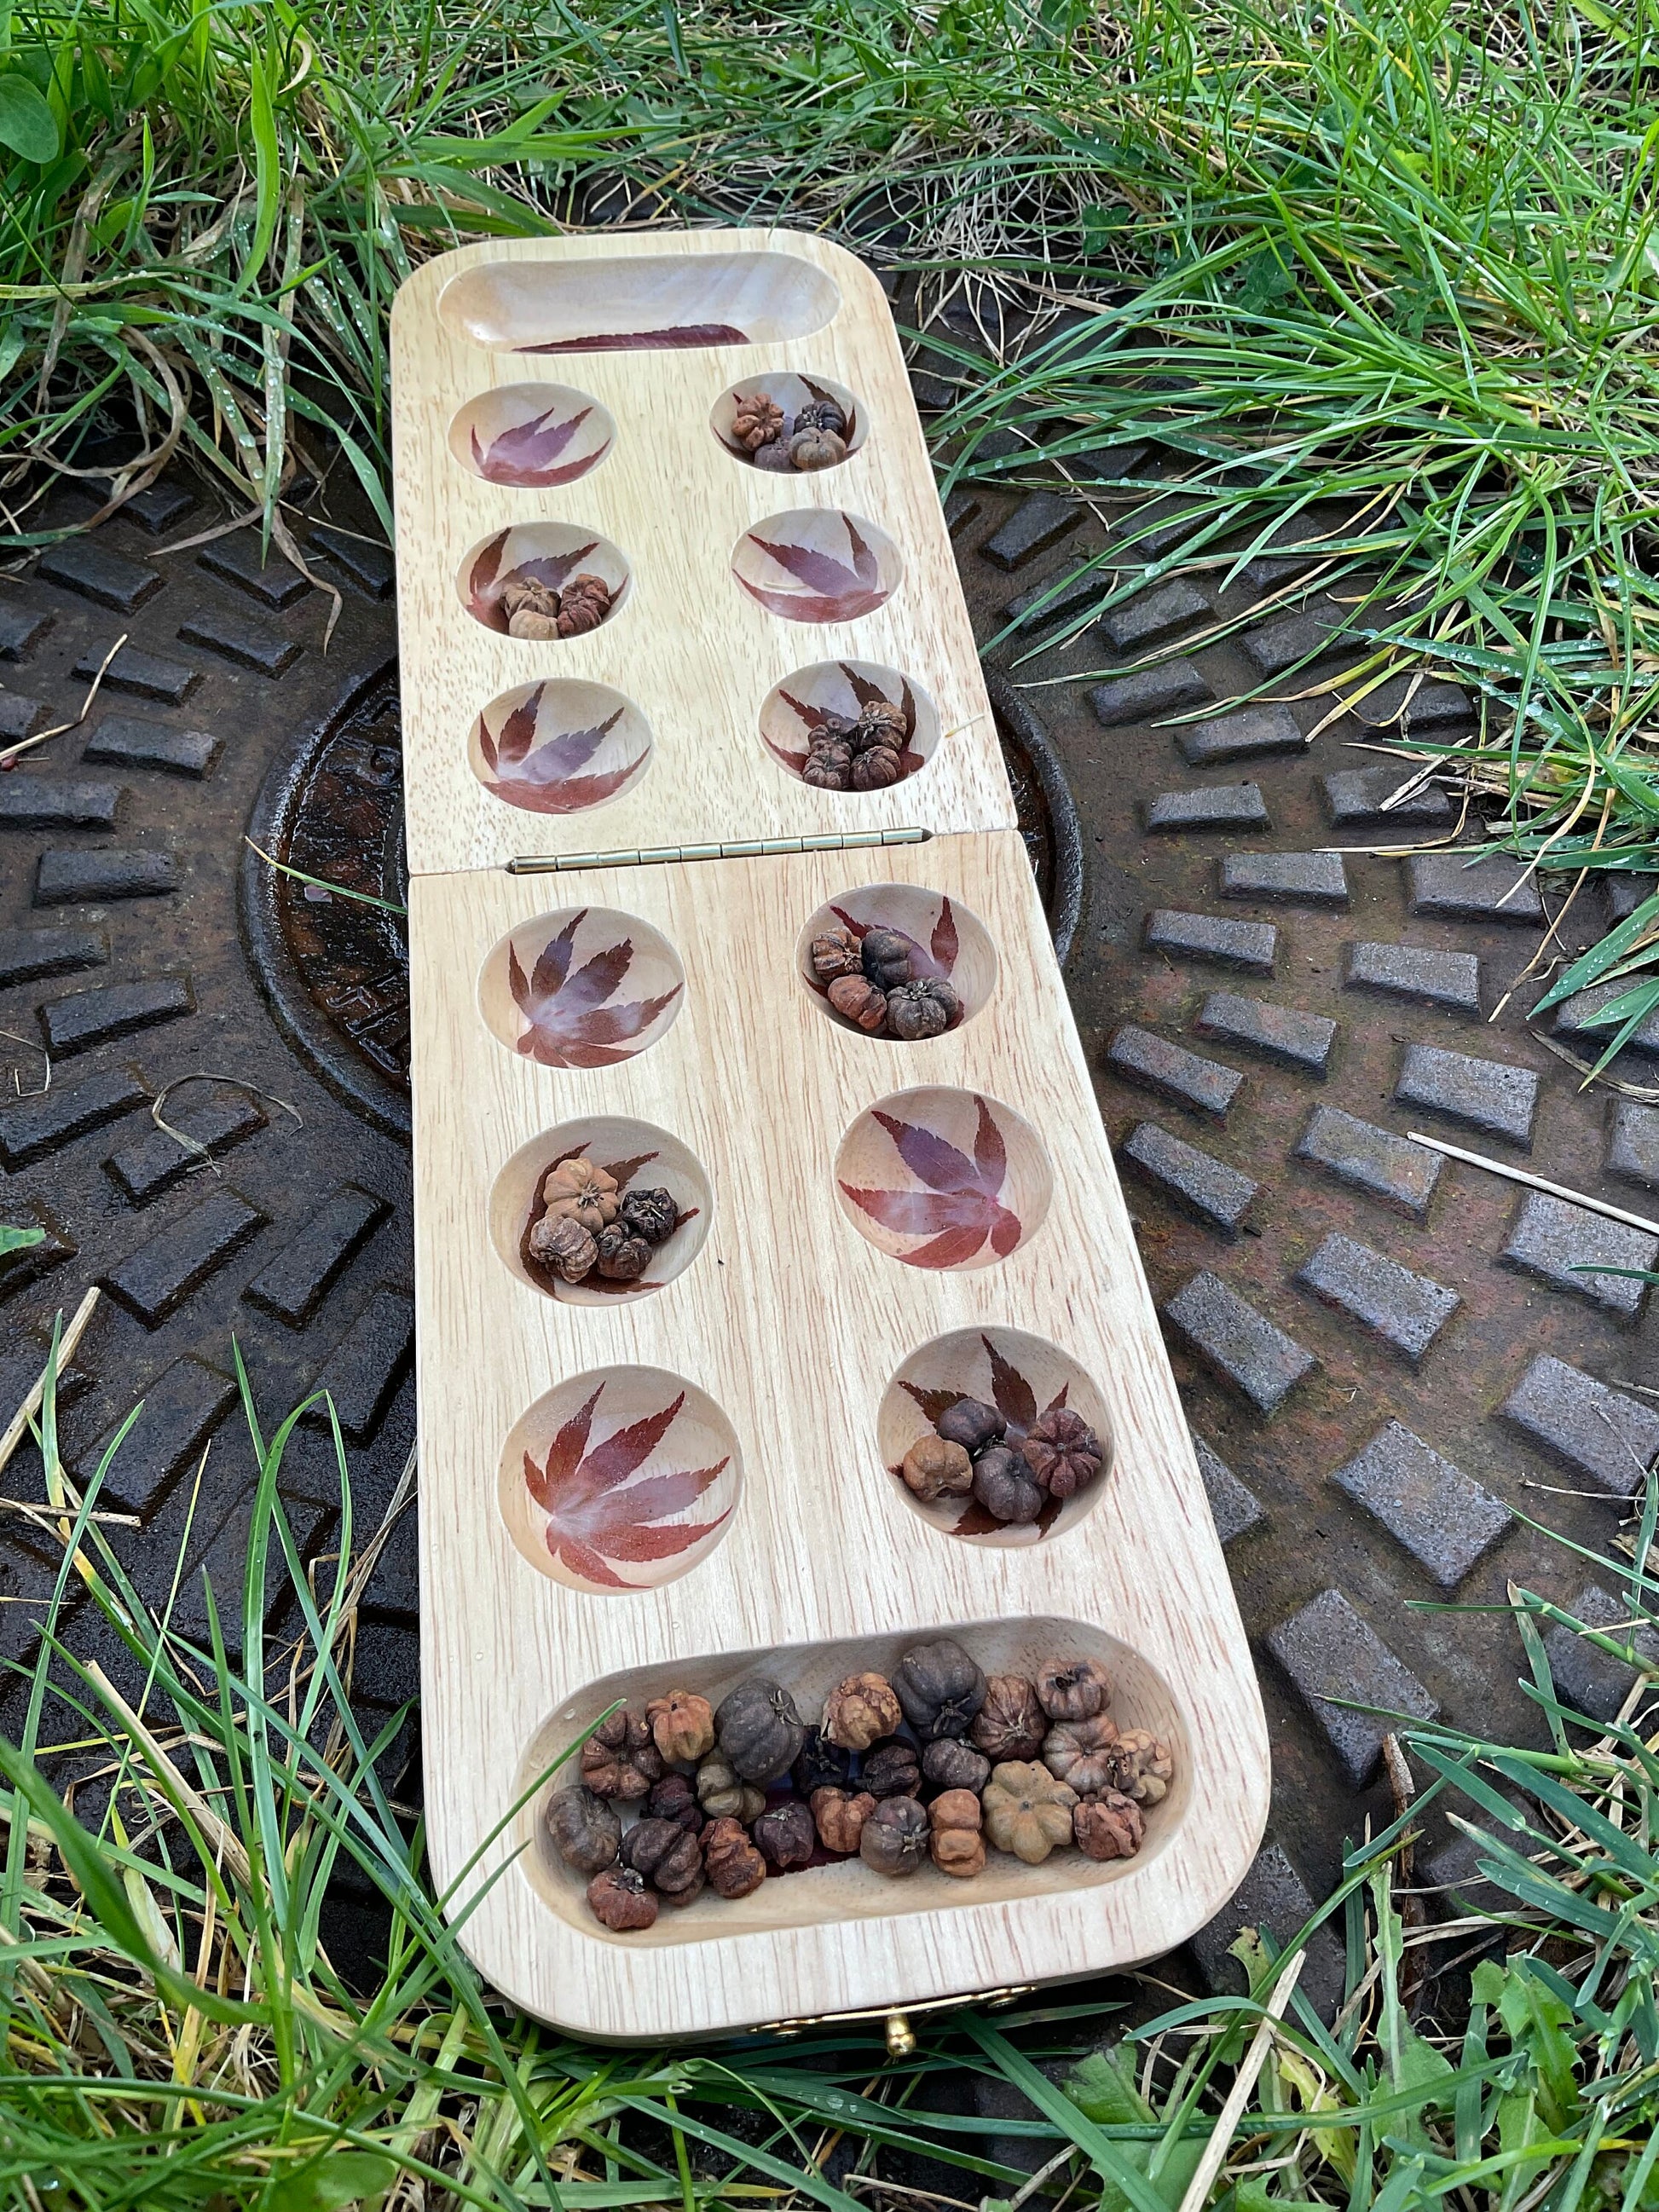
(598, 1517)
(546, 782)
(568, 1022)
(485, 584)
(674, 334)
(1016, 1400)
(960, 1209)
(834, 591)
(525, 454)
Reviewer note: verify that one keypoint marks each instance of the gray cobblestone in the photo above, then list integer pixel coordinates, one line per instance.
(1356, 795)
(1446, 1521)
(1495, 889)
(1157, 1064)
(1234, 1509)
(1273, 1897)
(1035, 524)
(1329, 1652)
(1413, 971)
(1633, 1143)
(1241, 1346)
(1247, 735)
(1588, 1678)
(1594, 1430)
(1371, 1159)
(1149, 693)
(1247, 944)
(1490, 1095)
(1278, 1033)
(1292, 878)
(1557, 1243)
(1218, 1195)
(1406, 1311)
(1308, 634)
(1151, 617)
(1214, 806)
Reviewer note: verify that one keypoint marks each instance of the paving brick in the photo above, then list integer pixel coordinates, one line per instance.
(1247, 944)
(155, 1162)
(1150, 617)
(83, 1018)
(1446, 1521)
(19, 1270)
(1588, 1679)
(20, 717)
(1138, 1056)
(1251, 733)
(1037, 522)
(30, 801)
(21, 1369)
(1632, 1141)
(1596, 1431)
(1490, 1095)
(156, 1278)
(154, 509)
(1234, 1510)
(1626, 890)
(1213, 806)
(180, 1410)
(1583, 1019)
(1411, 971)
(367, 1364)
(930, 394)
(1275, 646)
(1273, 1899)
(1433, 706)
(1105, 464)
(1406, 1311)
(33, 1128)
(146, 675)
(1149, 693)
(1496, 889)
(1329, 1652)
(245, 639)
(1356, 796)
(271, 580)
(21, 629)
(27, 955)
(1290, 878)
(1219, 1196)
(129, 741)
(82, 565)
(68, 876)
(960, 509)
(292, 1284)
(1151, 535)
(1066, 593)
(1278, 1033)
(1371, 1159)
(1551, 1239)
(1238, 1344)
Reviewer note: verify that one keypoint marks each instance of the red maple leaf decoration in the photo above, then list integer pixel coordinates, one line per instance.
(525, 454)
(835, 592)
(484, 586)
(546, 782)
(866, 694)
(675, 334)
(1016, 1400)
(569, 1023)
(960, 1209)
(596, 1514)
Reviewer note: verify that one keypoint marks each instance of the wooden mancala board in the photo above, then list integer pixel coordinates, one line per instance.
(616, 868)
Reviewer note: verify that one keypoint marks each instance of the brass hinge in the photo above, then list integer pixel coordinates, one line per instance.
(750, 848)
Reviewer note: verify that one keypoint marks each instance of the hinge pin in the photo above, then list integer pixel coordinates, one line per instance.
(750, 848)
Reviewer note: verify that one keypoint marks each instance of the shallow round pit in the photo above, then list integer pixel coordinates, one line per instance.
(622, 1479)
(560, 748)
(532, 437)
(637, 1156)
(553, 554)
(943, 1178)
(947, 939)
(789, 393)
(582, 987)
(815, 564)
(1022, 1376)
(793, 711)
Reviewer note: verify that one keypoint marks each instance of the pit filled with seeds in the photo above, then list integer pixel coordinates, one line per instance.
(792, 425)
(600, 1208)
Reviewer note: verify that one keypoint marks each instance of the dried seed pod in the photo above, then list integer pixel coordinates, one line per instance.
(1011, 1723)
(785, 1835)
(894, 1839)
(527, 622)
(585, 1831)
(1074, 1689)
(932, 1469)
(1146, 1767)
(620, 1898)
(667, 1855)
(950, 1764)
(881, 723)
(735, 1869)
(1027, 1810)
(821, 1764)
(890, 1769)
(577, 1190)
(724, 1794)
(1062, 1452)
(528, 595)
(973, 1424)
(829, 768)
(759, 1729)
(624, 1257)
(692, 1891)
(954, 1838)
(674, 1799)
(856, 1001)
(775, 456)
(860, 1710)
(810, 450)
(834, 953)
(758, 422)
(1006, 1487)
(561, 1242)
(583, 605)
(651, 1213)
(921, 1010)
(619, 1760)
(682, 1726)
(821, 414)
(840, 1815)
(876, 769)
(940, 1687)
(1083, 1753)
(1109, 1826)
(886, 957)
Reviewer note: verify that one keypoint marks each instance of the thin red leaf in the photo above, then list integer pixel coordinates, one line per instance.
(623, 1172)
(866, 693)
(564, 1453)
(616, 1025)
(943, 945)
(814, 607)
(652, 1499)
(866, 567)
(907, 706)
(795, 761)
(484, 567)
(923, 1212)
(519, 729)
(990, 1152)
(569, 797)
(536, 1483)
(975, 1521)
(525, 451)
(927, 1155)
(950, 1249)
(636, 1544)
(932, 1403)
(618, 1456)
(1015, 1399)
(662, 341)
(820, 571)
(856, 929)
(548, 1052)
(583, 1561)
(1052, 1510)
(553, 965)
(813, 717)
(486, 744)
(1055, 1403)
(551, 568)
(592, 983)
(516, 981)
(1005, 1232)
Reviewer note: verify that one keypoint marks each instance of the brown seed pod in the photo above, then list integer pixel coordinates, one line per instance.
(890, 1769)
(1074, 1689)
(932, 1469)
(1083, 1753)
(834, 953)
(876, 769)
(650, 1213)
(950, 1764)
(840, 1815)
(561, 1244)
(894, 1839)
(785, 1835)
(810, 450)
(1109, 1826)
(619, 1760)
(529, 622)
(724, 1794)
(624, 1257)
(585, 1831)
(682, 1726)
(620, 1898)
(821, 414)
(758, 422)
(829, 768)
(973, 1424)
(775, 456)
(583, 605)
(885, 957)
(1146, 1766)
(1062, 1452)
(667, 1855)
(860, 1710)
(735, 1869)
(674, 1799)
(856, 1001)
(1004, 1486)
(1027, 1810)
(954, 1838)
(759, 1729)
(940, 1687)
(579, 1191)
(926, 1009)
(528, 595)
(1011, 1723)
(820, 1764)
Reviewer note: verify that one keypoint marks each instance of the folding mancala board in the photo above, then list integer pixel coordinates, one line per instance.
(616, 869)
